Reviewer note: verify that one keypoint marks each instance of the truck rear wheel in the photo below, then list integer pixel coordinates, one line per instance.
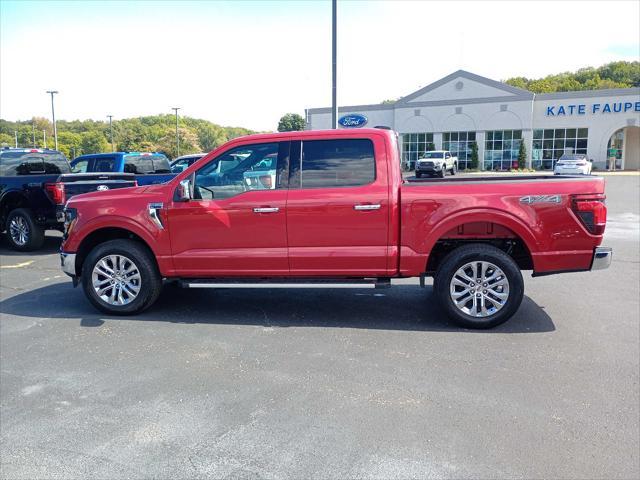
(120, 277)
(23, 233)
(479, 286)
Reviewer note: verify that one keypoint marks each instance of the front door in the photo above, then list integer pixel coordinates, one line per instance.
(236, 223)
(338, 207)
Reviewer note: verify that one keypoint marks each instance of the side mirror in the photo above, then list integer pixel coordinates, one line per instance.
(183, 191)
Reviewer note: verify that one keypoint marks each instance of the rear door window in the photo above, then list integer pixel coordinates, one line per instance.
(335, 163)
(102, 164)
(146, 163)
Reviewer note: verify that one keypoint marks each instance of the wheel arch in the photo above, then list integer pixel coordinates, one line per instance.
(104, 234)
(10, 201)
(481, 226)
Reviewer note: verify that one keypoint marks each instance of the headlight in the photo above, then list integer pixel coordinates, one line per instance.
(70, 217)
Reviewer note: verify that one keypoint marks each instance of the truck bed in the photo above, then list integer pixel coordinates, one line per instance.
(536, 210)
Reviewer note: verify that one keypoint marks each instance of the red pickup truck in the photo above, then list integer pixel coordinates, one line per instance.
(331, 207)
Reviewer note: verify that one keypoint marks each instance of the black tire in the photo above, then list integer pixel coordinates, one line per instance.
(472, 253)
(454, 169)
(23, 217)
(443, 172)
(150, 279)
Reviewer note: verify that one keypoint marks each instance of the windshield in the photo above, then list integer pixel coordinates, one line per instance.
(433, 155)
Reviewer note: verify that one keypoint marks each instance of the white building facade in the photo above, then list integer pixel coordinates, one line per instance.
(463, 108)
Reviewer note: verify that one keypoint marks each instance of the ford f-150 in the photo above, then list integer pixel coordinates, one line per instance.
(335, 212)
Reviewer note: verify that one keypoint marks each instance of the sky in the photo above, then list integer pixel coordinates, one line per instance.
(246, 63)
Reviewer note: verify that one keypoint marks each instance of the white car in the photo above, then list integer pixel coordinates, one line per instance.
(573, 164)
(437, 162)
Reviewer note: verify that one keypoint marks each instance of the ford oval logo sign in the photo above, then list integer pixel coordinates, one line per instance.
(102, 188)
(353, 121)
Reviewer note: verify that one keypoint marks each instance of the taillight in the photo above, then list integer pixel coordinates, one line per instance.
(56, 192)
(592, 212)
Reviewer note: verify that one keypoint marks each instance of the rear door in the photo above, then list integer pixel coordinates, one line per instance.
(338, 207)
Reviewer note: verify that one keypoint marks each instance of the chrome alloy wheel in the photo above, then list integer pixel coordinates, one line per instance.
(116, 280)
(19, 230)
(479, 289)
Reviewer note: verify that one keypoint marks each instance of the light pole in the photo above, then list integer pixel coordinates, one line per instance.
(334, 71)
(177, 137)
(15, 134)
(34, 134)
(53, 115)
(111, 132)
(44, 138)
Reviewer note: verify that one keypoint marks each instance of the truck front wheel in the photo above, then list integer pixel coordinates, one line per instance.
(479, 286)
(120, 277)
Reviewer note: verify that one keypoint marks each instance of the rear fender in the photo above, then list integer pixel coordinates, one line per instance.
(497, 217)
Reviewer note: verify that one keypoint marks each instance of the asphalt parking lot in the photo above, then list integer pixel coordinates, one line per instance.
(323, 383)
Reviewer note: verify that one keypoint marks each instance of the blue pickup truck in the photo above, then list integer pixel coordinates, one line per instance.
(148, 168)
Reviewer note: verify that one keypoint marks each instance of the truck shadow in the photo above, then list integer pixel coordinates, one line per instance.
(403, 307)
(51, 245)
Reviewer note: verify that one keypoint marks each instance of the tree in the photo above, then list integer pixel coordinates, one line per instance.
(612, 75)
(474, 156)
(291, 122)
(522, 155)
(94, 142)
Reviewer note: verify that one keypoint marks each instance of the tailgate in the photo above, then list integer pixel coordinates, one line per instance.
(77, 183)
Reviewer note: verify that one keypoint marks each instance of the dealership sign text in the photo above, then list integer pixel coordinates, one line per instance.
(581, 109)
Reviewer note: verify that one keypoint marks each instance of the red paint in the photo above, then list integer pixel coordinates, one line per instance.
(317, 232)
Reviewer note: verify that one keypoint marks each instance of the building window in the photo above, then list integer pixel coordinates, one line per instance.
(459, 144)
(550, 144)
(413, 146)
(501, 149)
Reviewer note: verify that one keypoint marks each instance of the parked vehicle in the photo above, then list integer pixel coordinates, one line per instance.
(149, 168)
(34, 186)
(437, 162)
(339, 214)
(181, 163)
(573, 164)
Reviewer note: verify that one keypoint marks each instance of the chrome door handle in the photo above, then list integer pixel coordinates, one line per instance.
(367, 207)
(266, 210)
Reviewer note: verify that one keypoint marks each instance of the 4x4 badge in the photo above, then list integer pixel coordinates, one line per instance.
(531, 199)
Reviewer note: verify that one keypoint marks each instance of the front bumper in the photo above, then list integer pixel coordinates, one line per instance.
(602, 258)
(428, 168)
(68, 263)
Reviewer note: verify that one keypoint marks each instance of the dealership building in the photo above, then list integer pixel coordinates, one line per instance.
(462, 108)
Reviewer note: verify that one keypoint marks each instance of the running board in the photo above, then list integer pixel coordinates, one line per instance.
(286, 283)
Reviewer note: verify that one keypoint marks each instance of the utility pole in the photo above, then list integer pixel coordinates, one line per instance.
(44, 138)
(53, 115)
(177, 137)
(111, 132)
(34, 134)
(334, 51)
(15, 134)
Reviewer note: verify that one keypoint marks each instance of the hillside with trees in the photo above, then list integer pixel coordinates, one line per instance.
(148, 134)
(611, 75)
